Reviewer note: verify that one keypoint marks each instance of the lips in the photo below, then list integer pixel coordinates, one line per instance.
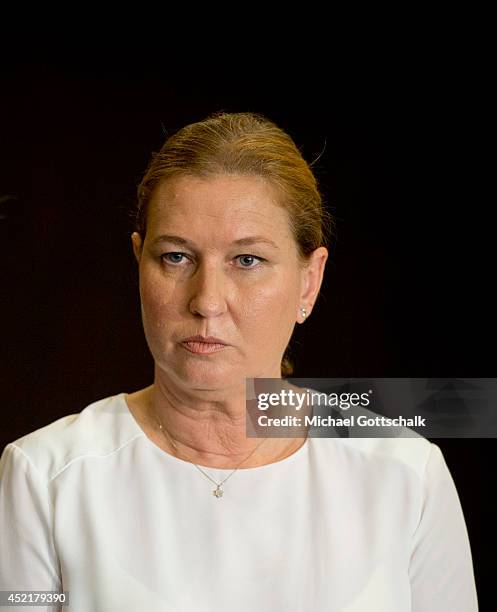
(203, 344)
(205, 339)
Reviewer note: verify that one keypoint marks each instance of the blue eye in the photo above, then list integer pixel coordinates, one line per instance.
(247, 261)
(173, 258)
(176, 258)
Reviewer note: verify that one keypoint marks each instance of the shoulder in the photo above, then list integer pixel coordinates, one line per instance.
(373, 459)
(100, 429)
(376, 446)
(411, 453)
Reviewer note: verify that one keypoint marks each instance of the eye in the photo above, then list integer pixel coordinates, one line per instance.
(249, 261)
(174, 258)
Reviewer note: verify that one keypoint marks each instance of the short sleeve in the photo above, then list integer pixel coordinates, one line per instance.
(441, 568)
(28, 561)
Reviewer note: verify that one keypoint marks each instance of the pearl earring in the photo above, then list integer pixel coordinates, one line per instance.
(303, 312)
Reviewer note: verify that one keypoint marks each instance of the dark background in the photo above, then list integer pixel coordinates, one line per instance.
(410, 280)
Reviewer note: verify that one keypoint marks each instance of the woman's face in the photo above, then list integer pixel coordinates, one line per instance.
(219, 260)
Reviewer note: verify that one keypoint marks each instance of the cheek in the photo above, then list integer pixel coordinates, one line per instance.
(271, 306)
(157, 300)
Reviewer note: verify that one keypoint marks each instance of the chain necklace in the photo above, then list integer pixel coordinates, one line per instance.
(218, 491)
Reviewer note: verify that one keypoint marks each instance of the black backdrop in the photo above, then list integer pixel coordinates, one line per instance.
(410, 277)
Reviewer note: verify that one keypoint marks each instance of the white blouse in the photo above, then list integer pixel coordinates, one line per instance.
(90, 505)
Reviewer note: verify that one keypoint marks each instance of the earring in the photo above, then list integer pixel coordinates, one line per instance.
(303, 312)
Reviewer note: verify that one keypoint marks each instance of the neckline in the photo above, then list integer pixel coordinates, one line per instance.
(300, 452)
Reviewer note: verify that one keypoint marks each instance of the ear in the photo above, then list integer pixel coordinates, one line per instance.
(311, 280)
(137, 245)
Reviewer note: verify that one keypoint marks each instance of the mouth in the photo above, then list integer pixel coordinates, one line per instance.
(203, 345)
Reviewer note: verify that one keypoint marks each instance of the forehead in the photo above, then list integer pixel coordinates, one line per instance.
(224, 203)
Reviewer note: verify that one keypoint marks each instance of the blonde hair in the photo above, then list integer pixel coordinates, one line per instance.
(243, 144)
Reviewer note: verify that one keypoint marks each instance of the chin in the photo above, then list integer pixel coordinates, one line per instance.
(208, 377)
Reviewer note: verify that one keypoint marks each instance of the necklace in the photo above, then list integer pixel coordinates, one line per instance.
(218, 492)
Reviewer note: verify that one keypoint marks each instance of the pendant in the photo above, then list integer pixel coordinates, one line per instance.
(218, 492)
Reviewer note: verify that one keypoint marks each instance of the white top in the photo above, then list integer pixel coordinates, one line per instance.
(90, 505)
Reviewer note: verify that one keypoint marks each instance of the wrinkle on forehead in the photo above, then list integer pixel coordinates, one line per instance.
(236, 200)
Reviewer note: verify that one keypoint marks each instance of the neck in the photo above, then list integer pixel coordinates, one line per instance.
(210, 432)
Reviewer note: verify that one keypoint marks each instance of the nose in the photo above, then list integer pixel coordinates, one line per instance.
(207, 292)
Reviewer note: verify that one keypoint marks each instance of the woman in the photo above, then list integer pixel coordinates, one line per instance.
(157, 500)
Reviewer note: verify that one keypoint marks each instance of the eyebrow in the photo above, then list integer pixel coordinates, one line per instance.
(247, 241)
